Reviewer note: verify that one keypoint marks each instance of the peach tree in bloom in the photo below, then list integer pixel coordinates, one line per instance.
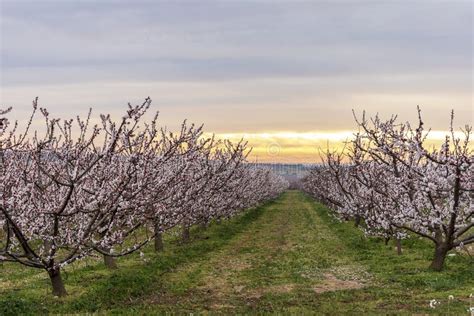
(79, 188)
(397, 183)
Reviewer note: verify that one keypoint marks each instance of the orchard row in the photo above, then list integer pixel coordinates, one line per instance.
(76, 188)
(392, 182)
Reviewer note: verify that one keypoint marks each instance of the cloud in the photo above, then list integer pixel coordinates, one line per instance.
(242, 66)
(232, 40)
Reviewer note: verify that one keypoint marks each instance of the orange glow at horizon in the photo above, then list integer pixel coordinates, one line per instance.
(303, 147)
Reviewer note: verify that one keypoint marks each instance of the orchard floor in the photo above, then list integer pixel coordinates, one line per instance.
(287, 256)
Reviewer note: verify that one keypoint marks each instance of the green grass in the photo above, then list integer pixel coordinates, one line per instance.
(287, 256)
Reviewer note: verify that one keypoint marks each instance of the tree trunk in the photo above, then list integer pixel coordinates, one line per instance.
(110, 261)
(185, 234)
(57, 282)
(158, 242)
(439, 257)
(387, 239)
(398, 242)
(158, 235)
(357, 220)
(5, 231)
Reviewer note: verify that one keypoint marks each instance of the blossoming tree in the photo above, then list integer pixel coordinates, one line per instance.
(398, 184)
(109, 188)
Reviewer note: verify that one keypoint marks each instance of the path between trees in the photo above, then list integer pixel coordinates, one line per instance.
(288, 252)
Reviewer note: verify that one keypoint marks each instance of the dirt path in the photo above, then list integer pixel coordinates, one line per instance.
(285, 254)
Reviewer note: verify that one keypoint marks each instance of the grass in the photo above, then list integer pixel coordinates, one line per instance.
(287, 256)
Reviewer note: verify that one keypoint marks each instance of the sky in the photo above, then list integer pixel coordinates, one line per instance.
(286, 75)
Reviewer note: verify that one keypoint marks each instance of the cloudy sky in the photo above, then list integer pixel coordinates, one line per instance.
(285, 74)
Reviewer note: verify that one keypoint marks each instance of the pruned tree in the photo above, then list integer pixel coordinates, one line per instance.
(110, 188)
(400, 185)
